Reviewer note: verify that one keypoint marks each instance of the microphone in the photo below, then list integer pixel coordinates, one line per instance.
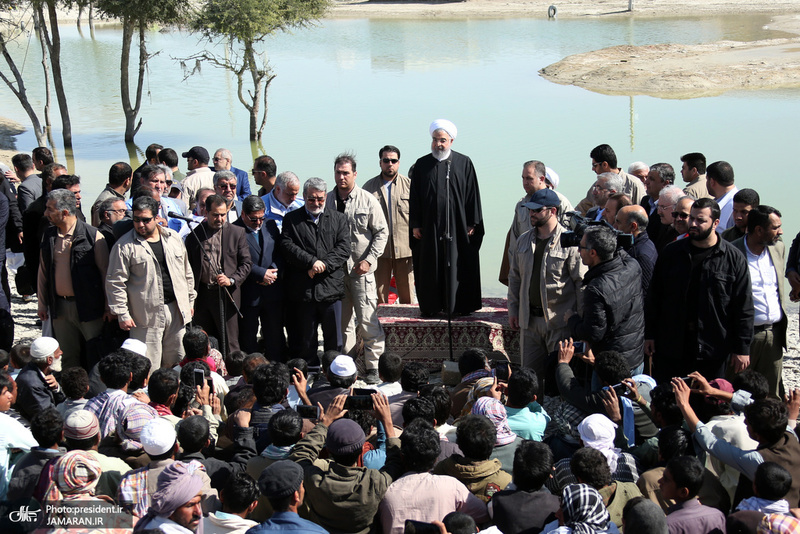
(176, 215)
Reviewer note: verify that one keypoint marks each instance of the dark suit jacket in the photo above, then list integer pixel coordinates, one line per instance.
(265, 256)
(235, 255)
(33, 395)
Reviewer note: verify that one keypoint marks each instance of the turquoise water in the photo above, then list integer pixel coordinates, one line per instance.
(359, 84)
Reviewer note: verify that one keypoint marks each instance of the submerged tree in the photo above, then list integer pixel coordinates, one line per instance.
(136, 17)
(12, 28)
(241, 26)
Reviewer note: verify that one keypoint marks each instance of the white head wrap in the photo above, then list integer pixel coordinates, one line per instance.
(598, 431)
(552, 177)
(43, 348)
(446, 125)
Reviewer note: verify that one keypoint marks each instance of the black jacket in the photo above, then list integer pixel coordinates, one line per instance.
(87, 280)
(34, 395)
(613, 316)
(724, 304)
(303, 242)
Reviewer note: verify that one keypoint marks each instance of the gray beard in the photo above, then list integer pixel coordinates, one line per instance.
(56, 365)
(440, 155)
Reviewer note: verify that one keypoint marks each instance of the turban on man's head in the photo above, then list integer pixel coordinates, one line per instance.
(76, 473)
(178, 484)
(446, 125)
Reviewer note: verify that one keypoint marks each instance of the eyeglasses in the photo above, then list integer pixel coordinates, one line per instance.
(539, 210)
(679, 215)
(116, 211)
(220, 159)
(256, 219)
(145, 220)
(226, 186)
(316, 200)
(581, 247)
(390, 160)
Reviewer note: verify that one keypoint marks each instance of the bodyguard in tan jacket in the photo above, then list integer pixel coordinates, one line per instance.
(544, 283)
(150, 285)
(367, 237)
(392, 190)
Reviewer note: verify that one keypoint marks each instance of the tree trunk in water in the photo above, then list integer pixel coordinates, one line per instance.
(55, 60)
(130, 110)
(38, 17)
(250, 63)
(91, 21)
(20, 93)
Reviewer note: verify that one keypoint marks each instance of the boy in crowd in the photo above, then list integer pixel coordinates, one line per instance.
(681, 481)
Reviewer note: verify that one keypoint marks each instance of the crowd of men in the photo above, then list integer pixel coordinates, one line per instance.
(179, 326)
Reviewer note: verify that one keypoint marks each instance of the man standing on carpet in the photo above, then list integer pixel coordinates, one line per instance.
(443, 184)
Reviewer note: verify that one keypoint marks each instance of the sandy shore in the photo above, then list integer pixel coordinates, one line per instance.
(569, 9)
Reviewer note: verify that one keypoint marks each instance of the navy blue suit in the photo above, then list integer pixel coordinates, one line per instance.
(264, 302)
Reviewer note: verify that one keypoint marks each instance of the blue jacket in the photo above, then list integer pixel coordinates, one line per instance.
(263, 257)
(285, 522)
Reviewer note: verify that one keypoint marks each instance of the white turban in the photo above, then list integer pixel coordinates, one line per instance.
(446, 125)
(43, 348)
(551, 177)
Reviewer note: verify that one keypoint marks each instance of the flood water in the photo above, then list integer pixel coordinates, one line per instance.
(355, 85)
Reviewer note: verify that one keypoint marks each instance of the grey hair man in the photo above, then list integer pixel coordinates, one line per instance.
(37, 387)
(283, 197)
(223, 161)
(667, 199)
(606, 185)
(368, 235)
(225, 186)
(316, 246)
(659, 176)
(639, 169)
(72, 268)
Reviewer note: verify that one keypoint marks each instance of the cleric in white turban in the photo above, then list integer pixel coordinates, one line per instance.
(446, 125)
(444, 182)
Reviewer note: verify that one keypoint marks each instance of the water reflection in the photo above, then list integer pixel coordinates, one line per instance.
(359, 84)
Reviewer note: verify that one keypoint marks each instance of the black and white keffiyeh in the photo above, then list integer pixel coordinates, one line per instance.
(584, 511)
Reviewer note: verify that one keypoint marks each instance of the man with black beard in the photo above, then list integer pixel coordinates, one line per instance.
(544, 282)
(699, 308)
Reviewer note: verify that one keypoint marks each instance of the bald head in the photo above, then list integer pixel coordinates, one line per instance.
(632, 220)
(682, 210)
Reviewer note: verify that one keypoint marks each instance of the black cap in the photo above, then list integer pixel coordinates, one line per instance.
(198, 153)
(543, 198)
(280, 479)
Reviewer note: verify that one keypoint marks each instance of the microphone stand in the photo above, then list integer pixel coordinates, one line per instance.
(223, 326)
(448, 253)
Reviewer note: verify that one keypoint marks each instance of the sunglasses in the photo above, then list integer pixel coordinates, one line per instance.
(390, 160)
(145, 220)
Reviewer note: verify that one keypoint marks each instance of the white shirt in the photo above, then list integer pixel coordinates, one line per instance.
(726, 210)
(764, 280)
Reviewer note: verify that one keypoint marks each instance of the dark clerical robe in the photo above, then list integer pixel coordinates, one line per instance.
(428, 208)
